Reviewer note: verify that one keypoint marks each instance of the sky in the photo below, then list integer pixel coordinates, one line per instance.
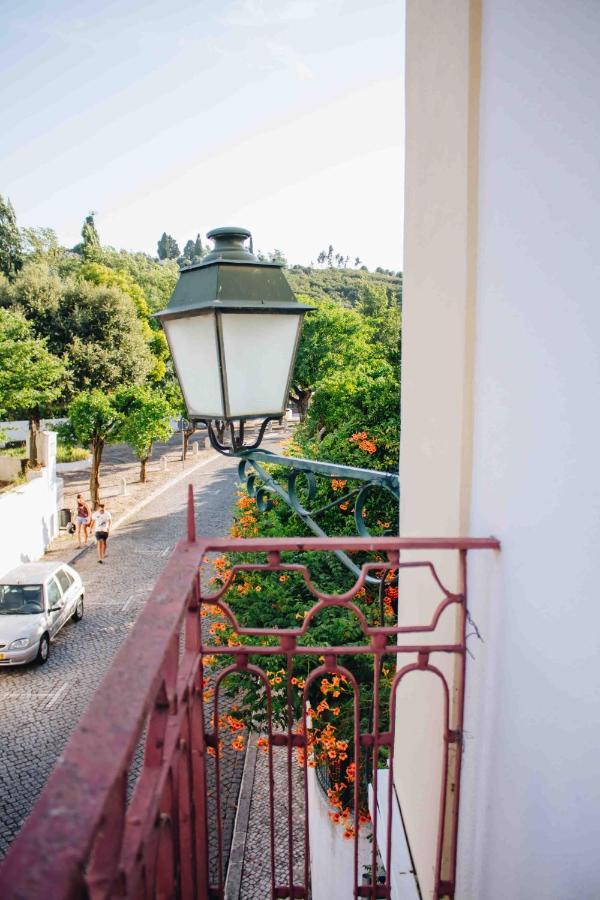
(282, 116)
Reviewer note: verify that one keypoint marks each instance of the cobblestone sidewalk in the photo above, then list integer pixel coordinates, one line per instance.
(121, 488)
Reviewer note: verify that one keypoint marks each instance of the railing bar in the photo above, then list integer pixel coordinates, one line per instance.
(306, 800)
(289, 663)
(352, 544)
(336, 502)
(199, 782)
(153, 787)
(187, 873)
(331, 470)
(144, 805)
(392, 649)
(357, 770)
(460, 712)
(375, 757)
(271, 778)
(444, 785)
(217, 759)
(390, 788)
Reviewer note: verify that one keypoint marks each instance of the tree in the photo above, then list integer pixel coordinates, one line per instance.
(11, 249)
(90, 243)
(188, 250)
(157, 279)
(145, 418)
(277, 256)
(168, 247)
(94, 327)
(198, 248)
(30, 376)
(383, 313)
(333, 338)
(94, 421)
(41, 243)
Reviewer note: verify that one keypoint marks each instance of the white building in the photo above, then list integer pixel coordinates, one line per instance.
(500, 427)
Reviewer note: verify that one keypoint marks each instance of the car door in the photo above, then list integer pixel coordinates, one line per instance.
(56, 605)
(69, 590)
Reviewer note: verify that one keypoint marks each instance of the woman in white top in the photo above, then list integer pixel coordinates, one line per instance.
(102, 520)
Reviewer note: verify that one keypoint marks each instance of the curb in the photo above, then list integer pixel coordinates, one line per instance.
(237, 851)
(140, 505)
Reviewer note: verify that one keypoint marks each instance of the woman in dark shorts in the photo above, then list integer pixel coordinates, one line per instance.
(102, 520)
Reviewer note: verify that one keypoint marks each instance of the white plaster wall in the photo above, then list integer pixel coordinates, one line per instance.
(18, 429)
(530, 810)
(331, 857)
(28, 514)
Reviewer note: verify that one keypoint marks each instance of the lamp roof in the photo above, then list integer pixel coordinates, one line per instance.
(231, 278)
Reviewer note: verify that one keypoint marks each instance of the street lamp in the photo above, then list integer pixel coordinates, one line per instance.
(233, 326)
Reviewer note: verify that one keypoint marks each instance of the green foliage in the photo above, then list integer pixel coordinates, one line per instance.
(98, 273)
(30, 376)
(92, 417)
(146, 418)
(156, 279)
(90, 244)
(11, 250)
(344, 285)
(332, 337)
(167, 247)
(41, 243)
(93, 422)
(65, 453)
(382, 312)
(94, 327)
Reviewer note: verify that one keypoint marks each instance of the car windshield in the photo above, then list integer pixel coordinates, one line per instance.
(21, 599)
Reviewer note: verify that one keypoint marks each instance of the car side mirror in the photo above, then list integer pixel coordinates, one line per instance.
(56, 608)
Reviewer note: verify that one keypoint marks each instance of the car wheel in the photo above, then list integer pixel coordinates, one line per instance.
(43, 650)
(78, 614)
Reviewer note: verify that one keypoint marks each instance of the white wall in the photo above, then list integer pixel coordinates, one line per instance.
(530, 810)
(331, 857)
(18, 429)
(28, 514)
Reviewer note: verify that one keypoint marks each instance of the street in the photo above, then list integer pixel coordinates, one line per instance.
(39, 706)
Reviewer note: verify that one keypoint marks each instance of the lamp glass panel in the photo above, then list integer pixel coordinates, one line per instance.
(193, 343)
(258, 349)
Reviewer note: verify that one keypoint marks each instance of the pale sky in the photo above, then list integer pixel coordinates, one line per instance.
(283, 116)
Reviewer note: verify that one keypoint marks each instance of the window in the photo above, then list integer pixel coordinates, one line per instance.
(64, 579)
(20, 599)
(54, 594)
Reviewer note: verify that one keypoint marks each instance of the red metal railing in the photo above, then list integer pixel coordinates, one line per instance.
(84, 837)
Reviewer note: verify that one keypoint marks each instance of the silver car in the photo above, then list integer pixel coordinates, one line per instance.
(36, 600)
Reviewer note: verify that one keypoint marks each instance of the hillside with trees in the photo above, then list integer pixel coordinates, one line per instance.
(84, 315)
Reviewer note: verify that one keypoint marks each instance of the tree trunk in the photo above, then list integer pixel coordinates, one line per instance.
(143, 461)
(34, 430)
(302, 398)
(188, 432)
(220, 427)
(97, 448)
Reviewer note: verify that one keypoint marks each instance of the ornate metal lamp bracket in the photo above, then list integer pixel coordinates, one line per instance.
(261, 485)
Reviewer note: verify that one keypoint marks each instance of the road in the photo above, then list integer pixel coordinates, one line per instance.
(39, 706)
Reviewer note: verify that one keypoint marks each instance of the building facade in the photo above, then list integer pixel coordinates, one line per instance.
(500, 434)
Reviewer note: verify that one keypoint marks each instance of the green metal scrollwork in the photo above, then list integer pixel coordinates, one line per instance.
(262, 486)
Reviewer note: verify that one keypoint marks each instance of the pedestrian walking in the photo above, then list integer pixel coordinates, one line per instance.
(102, 520)
(83, 520)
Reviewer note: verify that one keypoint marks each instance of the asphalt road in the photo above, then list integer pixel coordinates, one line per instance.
(39, 706)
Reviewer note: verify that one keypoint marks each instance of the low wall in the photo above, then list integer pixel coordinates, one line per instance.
(28, 514)
(10, 468)
(331, 856)
(19, 429)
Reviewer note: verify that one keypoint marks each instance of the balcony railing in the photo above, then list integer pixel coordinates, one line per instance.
(125, 812)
